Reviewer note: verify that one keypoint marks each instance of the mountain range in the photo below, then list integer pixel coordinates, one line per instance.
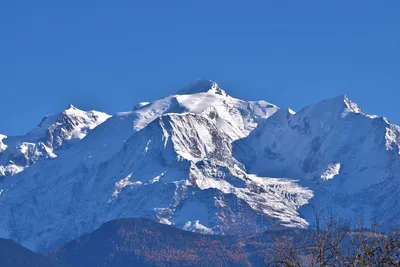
(200, 160)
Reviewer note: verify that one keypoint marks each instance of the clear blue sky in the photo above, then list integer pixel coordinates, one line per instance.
(109, 55)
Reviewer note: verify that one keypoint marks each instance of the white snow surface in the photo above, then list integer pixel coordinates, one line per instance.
(332, 170)
(54, 133)
(349, 160)
(236, 117)
(207, 162)
(2, 145)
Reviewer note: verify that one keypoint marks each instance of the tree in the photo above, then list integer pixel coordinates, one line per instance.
(334, 243)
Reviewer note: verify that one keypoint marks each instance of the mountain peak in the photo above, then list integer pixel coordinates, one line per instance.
(43, 141)
(72, 110)
(70, 106)
(48, 120)
(343, 104)
(340, 105)
(70, 118)
(344, 99)
(352, 106)
(202, 86)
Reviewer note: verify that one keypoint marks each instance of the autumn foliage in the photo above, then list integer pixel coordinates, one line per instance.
(141, 242)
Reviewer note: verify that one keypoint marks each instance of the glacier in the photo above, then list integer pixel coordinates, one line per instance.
(204, 161)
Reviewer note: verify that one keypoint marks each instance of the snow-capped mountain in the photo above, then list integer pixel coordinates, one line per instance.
(349, 159)
(203, 161)
(54, 133)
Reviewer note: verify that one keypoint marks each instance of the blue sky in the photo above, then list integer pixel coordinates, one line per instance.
(110, 55)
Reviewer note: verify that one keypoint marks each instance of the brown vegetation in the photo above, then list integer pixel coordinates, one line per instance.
(332, 243)
(141, 242)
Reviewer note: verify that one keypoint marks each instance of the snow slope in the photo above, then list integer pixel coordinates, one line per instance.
(54, 132)
(336, 150)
